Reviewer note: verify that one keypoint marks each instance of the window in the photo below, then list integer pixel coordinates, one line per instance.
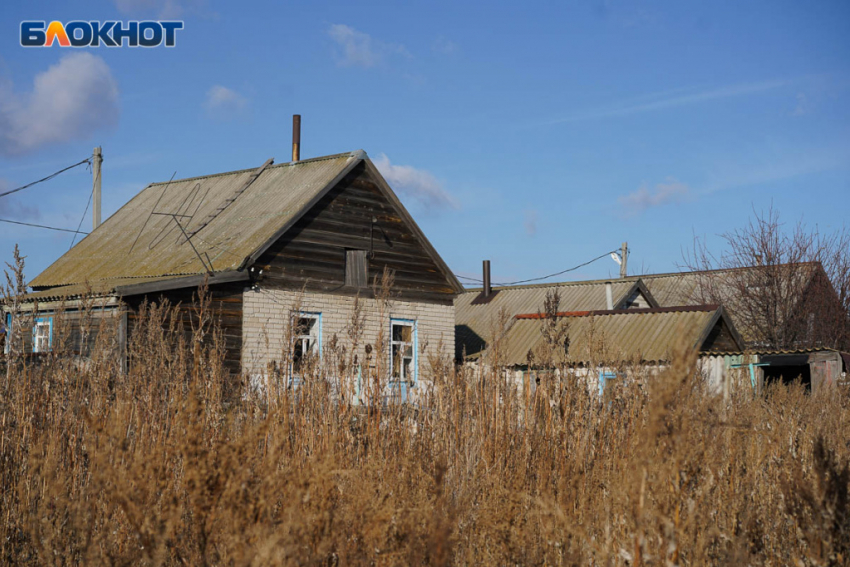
(402, 357)
(307, 338)
(604, 378)
(42, 334)
(356, 268)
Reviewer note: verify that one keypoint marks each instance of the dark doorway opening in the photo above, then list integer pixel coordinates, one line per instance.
(788, 374)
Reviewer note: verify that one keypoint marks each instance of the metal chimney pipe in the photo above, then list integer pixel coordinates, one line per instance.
(296, 137)
(609, 296)
(487, 289)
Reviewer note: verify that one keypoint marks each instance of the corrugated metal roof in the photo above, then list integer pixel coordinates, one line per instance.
(612, 336)
(474, 324)
(696, 288)
(95, 289)
(133, 243)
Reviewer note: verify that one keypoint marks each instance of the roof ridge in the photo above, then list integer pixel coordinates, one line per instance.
(354, 154)
(632, 278)
(707, 308)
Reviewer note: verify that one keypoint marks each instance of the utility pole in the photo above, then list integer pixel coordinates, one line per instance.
(625, 254)
(97, 161)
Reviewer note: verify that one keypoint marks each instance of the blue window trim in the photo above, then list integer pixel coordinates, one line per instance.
(49, 320)
(605, 376)
(415, 325)
(8, 332)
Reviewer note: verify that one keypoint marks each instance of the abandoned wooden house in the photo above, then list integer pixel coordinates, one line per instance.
(286, 246)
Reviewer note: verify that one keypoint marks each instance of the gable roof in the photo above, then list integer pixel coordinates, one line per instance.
(231, 218)
(692, 288)
(648, 335)
(723, 286)
(474, 321)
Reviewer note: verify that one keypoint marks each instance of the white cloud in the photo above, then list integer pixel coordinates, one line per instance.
(222, 102)
(672, 191)
(358, 49)
(73, 99)
(530, 223)
(415, 183)
(672, 99)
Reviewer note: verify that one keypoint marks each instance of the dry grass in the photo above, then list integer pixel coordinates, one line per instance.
(158, 466)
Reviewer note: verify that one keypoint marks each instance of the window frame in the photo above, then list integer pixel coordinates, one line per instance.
(7, 344)
(605, 376)
(315, 349)
(37, 323)
(405, 383)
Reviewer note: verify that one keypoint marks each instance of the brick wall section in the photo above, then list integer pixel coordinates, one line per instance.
(267, 311)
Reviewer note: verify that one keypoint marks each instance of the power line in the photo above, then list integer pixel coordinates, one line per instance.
(49, 177)
(85, 212)
(574, 268)
(82, 218)
(42, 226)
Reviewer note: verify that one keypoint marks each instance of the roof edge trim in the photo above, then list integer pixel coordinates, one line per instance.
(179, 283)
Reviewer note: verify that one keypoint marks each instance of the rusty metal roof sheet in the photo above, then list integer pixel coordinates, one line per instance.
(133, 243)
(475, 323)
(648, 335)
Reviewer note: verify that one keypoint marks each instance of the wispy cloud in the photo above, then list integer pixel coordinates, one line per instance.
(671, 99)
(530, 223)
(644, 197)
(72, 99)
(164, 9)
(11, 208)
(222, 102)
(443, 46)
(417, 184)
(358, 49)
(778, 168)
(804, 106)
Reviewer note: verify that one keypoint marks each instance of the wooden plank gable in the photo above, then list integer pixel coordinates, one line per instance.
(357, 214)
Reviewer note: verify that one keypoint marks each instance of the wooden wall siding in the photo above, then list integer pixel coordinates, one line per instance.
(75, 333)
(720, 340)
(312, 253)
(226, 305)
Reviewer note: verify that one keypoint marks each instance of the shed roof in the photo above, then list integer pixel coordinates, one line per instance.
(230, 218)
(647, 335)
(474, 321)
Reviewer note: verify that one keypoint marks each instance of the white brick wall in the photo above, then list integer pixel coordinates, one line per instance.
(267, 311)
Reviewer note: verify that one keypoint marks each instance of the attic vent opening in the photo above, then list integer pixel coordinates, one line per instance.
(356, 268)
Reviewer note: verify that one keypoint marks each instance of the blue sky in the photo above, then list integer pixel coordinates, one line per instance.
(537, 135)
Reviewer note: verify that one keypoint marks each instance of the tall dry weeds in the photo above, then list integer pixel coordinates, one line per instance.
(158, 465)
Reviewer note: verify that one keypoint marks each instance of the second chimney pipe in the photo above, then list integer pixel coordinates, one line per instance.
(296, 137)
(487, 278)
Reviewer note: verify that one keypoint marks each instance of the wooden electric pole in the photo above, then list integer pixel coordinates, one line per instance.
(625, 254)
(97, 161)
